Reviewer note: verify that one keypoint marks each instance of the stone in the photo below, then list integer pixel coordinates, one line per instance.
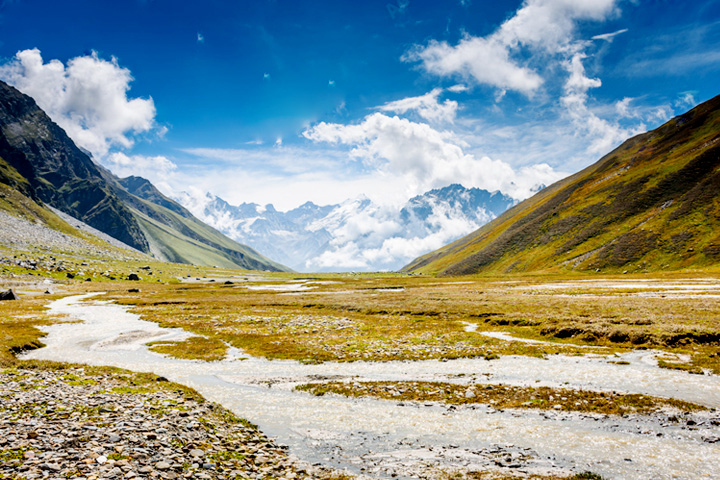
(162, 465)
(134, 277)
(9, 295)
(196, 453)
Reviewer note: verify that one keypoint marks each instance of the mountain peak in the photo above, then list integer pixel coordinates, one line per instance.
(38, 159)
(648, 205)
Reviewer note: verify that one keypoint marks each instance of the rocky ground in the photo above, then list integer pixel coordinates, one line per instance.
(20, 234)
(79, 422)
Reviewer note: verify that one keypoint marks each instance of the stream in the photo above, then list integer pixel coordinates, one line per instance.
(384, 438)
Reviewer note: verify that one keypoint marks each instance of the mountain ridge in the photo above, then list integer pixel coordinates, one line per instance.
(623, 213)
(322, 237)
(39, 160)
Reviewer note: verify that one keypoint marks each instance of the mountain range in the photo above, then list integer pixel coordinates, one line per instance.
(41, 162)
(650, 205)
(354, 235)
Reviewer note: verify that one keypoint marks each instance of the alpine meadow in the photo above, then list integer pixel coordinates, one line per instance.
(359, 240)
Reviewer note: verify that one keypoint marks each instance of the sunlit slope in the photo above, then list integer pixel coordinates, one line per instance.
(175, 238)
(40, 161)
(652, 204)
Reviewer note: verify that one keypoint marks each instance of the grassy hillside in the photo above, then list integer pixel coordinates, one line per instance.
(175, 238)
(40, 161)
(649, 205)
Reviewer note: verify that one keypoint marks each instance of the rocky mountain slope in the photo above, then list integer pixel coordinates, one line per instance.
(354, 235)
(39, 160)
(652, 204)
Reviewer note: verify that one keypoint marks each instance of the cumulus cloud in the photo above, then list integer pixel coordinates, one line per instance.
(366, 236)
(426, 106)
(425, 158)
(157, 169)
(88, 98)
(604, 135)
(485, 60)
(545, 26)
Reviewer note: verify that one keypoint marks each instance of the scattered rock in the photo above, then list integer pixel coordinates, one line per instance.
(9, 295)
(134, 277)
(84, 430)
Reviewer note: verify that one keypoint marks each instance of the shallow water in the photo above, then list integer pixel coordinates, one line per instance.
(380, 436)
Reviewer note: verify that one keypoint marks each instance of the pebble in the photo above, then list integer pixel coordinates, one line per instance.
(88, 432)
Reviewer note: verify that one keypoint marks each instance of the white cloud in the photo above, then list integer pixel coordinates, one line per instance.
(87, 97)
(550, 24)
(483, 60)
(458, 88)
(286, 177)
(686, 100)
(422, 158)
(603, 135)
(427, 106)
(157, 169)
(542, 25)
(200, 38)
(623, 108)
(609, 37)
(375, 238)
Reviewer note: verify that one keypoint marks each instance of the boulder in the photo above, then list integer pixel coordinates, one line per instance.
(9, 295)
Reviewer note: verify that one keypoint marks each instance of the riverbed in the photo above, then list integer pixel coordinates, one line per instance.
(384, 438)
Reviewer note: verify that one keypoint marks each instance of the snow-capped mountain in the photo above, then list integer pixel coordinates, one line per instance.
(356, 234)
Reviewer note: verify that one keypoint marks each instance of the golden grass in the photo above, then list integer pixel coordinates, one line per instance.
(391, 317)
(19, 320)
(194, 348)
(503, 396)
(347, 317)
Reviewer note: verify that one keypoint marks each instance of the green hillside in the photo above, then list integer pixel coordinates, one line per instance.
(650, 205)
(41, 162)
(175, 238)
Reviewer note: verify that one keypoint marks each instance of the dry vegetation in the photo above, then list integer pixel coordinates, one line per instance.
(390, 317)
(503, 396)
(347, 317)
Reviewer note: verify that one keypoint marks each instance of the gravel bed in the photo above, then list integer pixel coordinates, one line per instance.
(84, 423)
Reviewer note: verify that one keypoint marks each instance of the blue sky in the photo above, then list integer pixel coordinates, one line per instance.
(282, 102)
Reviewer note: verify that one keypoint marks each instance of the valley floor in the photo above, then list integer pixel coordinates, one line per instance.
(532, 377)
